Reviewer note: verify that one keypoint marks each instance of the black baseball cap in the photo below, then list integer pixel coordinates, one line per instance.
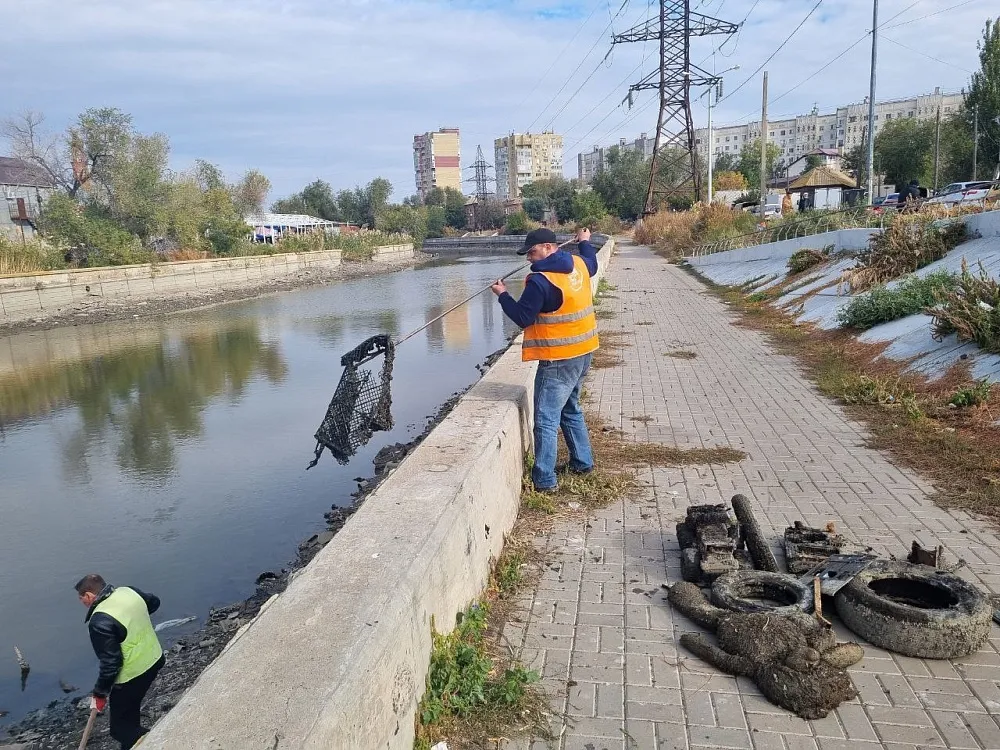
(541, 236)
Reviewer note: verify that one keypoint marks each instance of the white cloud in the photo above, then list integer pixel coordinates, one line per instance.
(305, 88)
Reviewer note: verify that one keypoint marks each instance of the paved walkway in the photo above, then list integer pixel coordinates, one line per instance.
(599, 626)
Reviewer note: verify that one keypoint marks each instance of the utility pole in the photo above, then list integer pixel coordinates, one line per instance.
(711, 138)
(674, 167)
(975, 140)
(483, 193)
(763, 151)
(937, 148)
(870, 161)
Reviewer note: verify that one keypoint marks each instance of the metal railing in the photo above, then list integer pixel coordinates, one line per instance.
(859, 217)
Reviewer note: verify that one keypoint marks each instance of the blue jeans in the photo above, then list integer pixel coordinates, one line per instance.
(557, 404)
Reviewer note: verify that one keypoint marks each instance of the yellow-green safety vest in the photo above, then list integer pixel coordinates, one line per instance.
(141, 649)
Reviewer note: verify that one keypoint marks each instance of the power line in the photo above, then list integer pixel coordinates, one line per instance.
(580, 65)
(924, 54)
(935, 13)
(570, 98)
(559, 57)
(772, 55)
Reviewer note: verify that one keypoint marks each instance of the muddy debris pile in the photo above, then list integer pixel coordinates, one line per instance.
(770, 624)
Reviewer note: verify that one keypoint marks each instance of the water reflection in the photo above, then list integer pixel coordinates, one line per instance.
(142, 398)
(335, 329)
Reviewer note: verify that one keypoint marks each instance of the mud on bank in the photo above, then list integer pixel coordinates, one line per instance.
(102, 310)
(60, 724)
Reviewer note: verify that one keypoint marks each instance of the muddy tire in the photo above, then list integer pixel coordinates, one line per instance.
(690, 565)
(915, 610)
(760, 591)
(757, 546)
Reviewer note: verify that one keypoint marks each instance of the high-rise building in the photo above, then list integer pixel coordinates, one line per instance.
(842, 129)
(520, 159)
(437, 160)
(588, 165)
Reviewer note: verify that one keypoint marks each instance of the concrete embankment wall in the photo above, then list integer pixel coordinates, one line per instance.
(821, 299)
(46, 294)
(501, 244)
(338, 661)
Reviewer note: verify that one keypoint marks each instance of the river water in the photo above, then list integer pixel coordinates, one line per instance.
(170, 455)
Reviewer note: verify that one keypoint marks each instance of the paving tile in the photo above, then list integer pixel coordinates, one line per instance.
(599, 623)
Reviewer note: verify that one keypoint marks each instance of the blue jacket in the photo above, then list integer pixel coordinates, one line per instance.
(540, 295)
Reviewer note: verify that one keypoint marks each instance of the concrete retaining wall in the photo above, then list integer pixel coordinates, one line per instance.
(841, 239)
(500, 244)
(47, 293)
(340, 658)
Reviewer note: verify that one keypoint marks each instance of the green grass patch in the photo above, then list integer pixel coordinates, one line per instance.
(881, 305)
(974, 395)
(803, 260)
(971, 309)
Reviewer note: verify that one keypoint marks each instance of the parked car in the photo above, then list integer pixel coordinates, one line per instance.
(958, 193)
(891, 201)
(771, 210)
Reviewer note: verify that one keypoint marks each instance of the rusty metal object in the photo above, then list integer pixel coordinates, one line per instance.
(933, 558)
(806, 547)
(837, 571)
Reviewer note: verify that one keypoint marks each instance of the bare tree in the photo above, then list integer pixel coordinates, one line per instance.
(44, 151)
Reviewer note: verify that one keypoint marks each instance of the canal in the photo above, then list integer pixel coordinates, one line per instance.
(171, 454)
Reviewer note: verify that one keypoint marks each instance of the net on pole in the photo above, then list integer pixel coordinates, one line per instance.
(361, 404)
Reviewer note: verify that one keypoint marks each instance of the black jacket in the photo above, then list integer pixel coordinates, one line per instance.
(107, 636)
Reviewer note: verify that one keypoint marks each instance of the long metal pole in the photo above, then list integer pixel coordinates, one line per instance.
(975, 140)
(763, 151)
(711, 147)
(871, 105)
(937, 148)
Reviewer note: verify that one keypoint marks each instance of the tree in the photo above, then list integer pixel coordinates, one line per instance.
(535, 207)
(622, 185)
(83, 156)
(729, 180)
(556, 192)
(854, 161)
(250, 193)
(137, 186)
(411, 220)
(453, 202)
(904, 151)
(984, 94)
(813, 161)
(588, 206)
(956, 149)
(726, 162)
(749, 165)
(364, 204)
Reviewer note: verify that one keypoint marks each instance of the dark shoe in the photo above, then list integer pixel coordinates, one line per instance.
(546, 490)
(563, 468)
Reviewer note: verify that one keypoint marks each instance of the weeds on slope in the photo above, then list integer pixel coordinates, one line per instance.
(907, 416)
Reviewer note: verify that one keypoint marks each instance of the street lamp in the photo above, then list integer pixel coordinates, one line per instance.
(711, 138)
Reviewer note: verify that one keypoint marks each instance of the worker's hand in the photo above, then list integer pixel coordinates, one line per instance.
(499, 288)
(98, 702)
(583, 235)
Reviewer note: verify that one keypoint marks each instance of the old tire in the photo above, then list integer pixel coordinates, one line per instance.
(760, 591)
(915, 610)
(690, 565)
(757, 546)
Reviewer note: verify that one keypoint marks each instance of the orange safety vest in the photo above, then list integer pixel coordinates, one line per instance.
(570, 331)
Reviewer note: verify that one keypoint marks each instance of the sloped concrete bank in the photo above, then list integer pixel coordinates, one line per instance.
(818, 301)
(38, 297)
(339, 659)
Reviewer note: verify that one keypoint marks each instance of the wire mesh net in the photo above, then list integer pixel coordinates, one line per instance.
(361, 404)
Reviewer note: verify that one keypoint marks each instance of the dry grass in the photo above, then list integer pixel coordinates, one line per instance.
(642, 418)
(957, 448)
(672, 233)
(681, 354)
(28, 257)
(186, 254)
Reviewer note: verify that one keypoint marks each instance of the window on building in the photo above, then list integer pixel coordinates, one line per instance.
(727, 139)
(782, 132)
(888, 116)
(852, 119)
(910, 113)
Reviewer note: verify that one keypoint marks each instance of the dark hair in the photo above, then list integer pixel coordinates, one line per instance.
(91, 583)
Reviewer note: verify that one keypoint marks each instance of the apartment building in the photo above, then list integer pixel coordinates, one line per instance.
(842, 129)
(523, 158)
(437, 160)
(589, 164)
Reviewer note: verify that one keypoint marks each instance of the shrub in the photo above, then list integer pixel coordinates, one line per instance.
(882, 305)
(973, 395)
(971, 309)
(517, 223)
(92, 239)
(805, 259)
(908, 244)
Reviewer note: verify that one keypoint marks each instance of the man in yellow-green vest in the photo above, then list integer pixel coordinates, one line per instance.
(128, 649)
(556, 311)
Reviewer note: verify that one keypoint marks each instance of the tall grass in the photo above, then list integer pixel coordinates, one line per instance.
(675, 232)
(30, 257)
(881, 305)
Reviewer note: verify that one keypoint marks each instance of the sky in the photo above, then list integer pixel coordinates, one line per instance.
(336, 89)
